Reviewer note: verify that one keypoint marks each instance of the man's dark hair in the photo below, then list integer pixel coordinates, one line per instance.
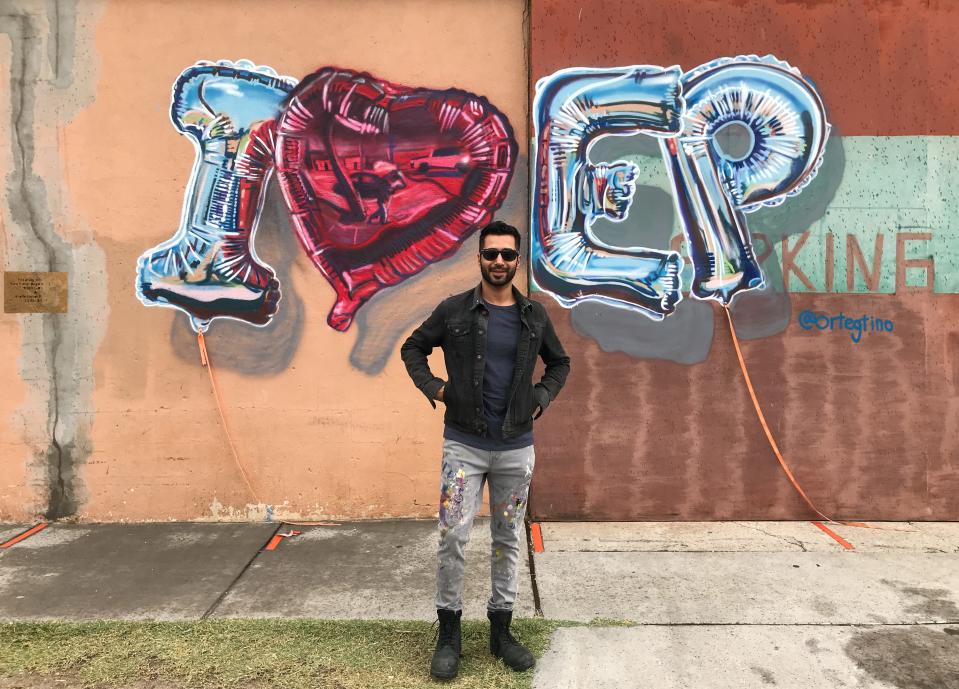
(501, 228)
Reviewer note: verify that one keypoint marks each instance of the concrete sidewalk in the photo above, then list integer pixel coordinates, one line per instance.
(192, 571)
(712, 605)
(752, 604)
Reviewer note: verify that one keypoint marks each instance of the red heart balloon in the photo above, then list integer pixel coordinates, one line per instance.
(382, 179)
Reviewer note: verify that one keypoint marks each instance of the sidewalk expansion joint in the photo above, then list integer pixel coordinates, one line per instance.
(239, 576)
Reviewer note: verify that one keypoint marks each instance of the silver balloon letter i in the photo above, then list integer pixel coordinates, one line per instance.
(209, 267)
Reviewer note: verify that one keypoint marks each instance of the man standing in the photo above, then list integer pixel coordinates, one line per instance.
(491, 336)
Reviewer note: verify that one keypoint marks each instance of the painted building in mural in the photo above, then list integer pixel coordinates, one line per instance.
(767, 163)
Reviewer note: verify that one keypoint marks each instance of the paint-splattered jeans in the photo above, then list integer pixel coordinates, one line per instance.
(465, 469)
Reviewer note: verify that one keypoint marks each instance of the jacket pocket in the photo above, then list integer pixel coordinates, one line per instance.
(448, 394)
(458, 329)
(459, 337)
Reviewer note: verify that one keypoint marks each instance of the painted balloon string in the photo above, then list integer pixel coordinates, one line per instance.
(764, 100)
(772, 440)
(205, 361)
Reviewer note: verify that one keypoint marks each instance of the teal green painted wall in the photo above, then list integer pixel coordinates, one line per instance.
(868, 187)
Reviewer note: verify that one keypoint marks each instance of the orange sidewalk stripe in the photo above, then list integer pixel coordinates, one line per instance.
(537, 535)
(839, 539)
(26, 534)
(275, 541)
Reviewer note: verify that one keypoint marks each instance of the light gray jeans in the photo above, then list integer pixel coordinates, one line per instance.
(465, 469)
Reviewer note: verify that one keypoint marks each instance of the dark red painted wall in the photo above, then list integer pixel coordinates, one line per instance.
(869, 431)
(882, 67)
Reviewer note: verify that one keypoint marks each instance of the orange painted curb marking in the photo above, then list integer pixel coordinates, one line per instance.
(537, 535)
(839, 539)
(275, 541)
(26, 534)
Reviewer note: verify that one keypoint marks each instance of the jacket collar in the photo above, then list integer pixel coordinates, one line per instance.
(520, 298)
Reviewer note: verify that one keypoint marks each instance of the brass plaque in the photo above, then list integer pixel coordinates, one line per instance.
(34, 292)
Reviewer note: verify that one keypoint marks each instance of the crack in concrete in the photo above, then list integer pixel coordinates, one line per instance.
(57, 504)
(20, 82)
(953, 547)
(787, 539)
(22, 202)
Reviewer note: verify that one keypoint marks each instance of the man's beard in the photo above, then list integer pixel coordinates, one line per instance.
(505, 279)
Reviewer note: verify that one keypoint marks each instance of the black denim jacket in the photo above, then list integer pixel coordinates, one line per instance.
(458, 325)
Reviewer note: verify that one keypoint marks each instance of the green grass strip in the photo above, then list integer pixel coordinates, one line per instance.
(286, 654)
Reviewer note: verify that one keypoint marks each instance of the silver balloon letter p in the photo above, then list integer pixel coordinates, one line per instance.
(755, 132)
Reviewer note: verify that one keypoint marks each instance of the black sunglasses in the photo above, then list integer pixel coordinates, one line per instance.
(507, 254)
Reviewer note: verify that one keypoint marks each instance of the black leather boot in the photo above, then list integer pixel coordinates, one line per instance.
(446, 657)
(502, 644)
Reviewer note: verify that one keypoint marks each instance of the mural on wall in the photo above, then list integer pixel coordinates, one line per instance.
(380, 181)
(781, 127)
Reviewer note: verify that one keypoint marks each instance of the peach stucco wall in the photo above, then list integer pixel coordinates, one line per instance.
(321, 431)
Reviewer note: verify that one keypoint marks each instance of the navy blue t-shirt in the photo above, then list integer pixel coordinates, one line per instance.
(502, 338)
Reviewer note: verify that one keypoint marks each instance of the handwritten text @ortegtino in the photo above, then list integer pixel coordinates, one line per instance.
(856, 327)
